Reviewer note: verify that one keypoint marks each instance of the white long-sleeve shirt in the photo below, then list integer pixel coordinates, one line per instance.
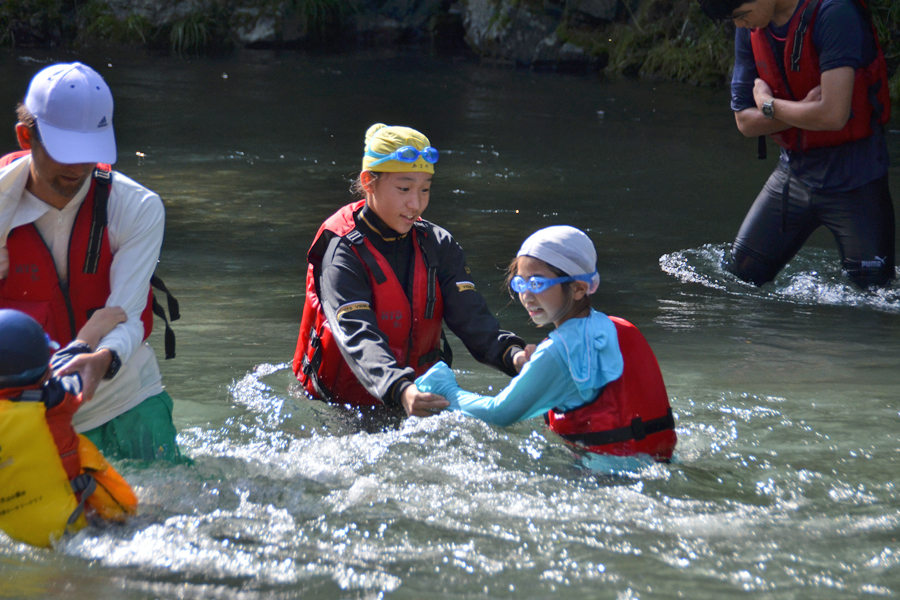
(136, 221)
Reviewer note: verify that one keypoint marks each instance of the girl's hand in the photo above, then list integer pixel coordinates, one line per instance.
(523, 357)
(100, 324)
(421, 404)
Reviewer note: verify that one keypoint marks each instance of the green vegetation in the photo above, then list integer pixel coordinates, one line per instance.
(674, 40)
(32, 22)
(98, 22)
(54, 23)
(666, 39)
(318, 16)
(190, 34)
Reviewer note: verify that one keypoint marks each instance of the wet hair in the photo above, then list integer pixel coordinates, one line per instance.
(357, 189)
(719, 10)
(25, 117)
(571, 303)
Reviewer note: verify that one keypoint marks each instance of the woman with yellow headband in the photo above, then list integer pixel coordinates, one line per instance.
(379, 284)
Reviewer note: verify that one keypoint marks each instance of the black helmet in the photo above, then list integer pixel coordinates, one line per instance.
(24, 350)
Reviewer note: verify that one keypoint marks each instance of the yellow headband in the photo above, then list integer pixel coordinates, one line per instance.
(383, 140)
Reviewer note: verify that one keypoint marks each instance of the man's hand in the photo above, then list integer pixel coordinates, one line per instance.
(421, 404)
(814, 95)
(4, 262)
(523, 357)
(762, 93)
(91, 368)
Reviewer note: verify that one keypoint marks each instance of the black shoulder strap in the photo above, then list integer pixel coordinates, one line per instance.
(779, 61)
(102, 183)
(174, 313)
(83, 484)
(358, 239)
(431, 262)
(800, 33)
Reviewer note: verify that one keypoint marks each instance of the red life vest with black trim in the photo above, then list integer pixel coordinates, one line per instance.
(632, 414)
(33, 286)
(413, 329)
(871, 98)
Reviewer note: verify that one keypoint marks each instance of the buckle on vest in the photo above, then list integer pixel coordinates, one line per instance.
(637, 429)
(355, 237)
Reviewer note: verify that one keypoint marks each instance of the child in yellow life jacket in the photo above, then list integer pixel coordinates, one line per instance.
(47, 471)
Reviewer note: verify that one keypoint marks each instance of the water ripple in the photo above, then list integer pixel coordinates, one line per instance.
(812, 277)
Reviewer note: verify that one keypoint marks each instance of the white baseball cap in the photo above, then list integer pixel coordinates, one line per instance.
(73, 108)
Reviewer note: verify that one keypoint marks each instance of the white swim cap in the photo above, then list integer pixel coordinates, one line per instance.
(566, 248)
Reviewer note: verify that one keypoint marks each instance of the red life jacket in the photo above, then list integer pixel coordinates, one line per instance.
(413, 331)
(33, 286)
(870, 102)
(631, 415)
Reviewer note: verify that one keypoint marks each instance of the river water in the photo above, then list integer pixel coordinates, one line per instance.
(784, 483)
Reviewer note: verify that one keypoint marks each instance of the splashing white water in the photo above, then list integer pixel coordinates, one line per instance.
(812, 277)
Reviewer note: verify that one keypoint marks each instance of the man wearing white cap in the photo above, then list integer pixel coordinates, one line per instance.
(76, 236)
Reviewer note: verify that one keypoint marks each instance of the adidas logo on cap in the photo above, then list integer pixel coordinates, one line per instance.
(103, 123)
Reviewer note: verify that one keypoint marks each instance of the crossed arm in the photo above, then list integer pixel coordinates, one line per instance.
(825, 108)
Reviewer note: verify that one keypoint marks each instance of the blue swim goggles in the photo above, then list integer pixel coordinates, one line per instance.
(407, 154)
(537, 284)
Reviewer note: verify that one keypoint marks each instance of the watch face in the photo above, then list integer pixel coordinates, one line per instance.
(768, 110)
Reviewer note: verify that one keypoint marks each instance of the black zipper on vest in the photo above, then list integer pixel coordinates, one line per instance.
(63, 287)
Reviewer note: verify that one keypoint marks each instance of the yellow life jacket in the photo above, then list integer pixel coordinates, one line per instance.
(37, 504)
(37, 500)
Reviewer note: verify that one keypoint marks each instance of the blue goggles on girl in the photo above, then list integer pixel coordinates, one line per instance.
(537, 284)
(408, 154)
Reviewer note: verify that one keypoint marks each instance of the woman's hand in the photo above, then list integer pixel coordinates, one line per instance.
(523, 357)
(421, 404)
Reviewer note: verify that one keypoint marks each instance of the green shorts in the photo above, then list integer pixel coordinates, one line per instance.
(145, 432)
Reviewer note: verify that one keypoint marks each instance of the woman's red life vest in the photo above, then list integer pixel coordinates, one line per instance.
(413, 329)
(797, 73)
(631, 415)
(33, 286)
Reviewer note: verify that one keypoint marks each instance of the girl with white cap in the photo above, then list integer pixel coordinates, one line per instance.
(381, 282)
(594, 378)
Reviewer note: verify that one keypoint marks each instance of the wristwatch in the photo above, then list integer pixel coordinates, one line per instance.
(768, 109)
(114, 366)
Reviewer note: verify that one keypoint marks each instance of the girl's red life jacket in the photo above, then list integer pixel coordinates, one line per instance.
(631, 415)
(33, 286)
(797, 73)
(413, 329)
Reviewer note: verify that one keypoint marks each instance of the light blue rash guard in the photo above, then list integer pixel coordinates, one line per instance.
(566, 371)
